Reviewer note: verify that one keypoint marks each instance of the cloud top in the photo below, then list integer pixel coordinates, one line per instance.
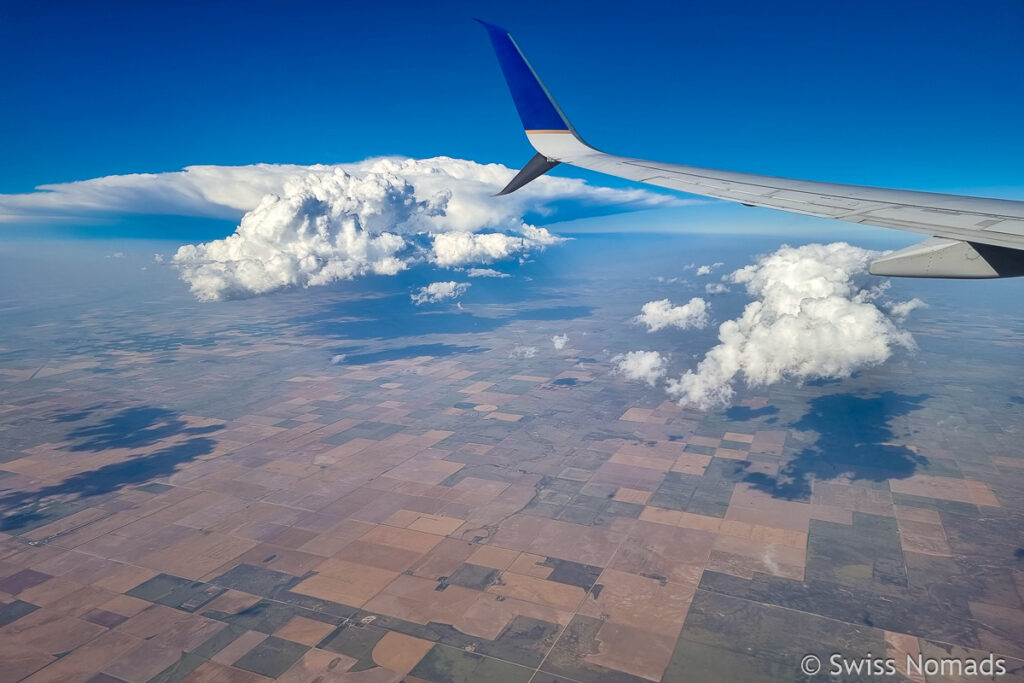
(437, 292)
(486, 272)
(325, 227)
(642, 366)
(521, 352)
(657, 315)
(230, 191)
(706, 270)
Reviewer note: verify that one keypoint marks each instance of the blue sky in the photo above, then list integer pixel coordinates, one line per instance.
(920, 95)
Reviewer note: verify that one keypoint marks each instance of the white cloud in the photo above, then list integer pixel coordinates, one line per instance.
(486, 272)
(560, 341)
(812, 316)
(642, 366)
(657, 315)
(439, 291)
(327, 226)
(459, 248)
(378, 217)
(706, 270)
(901, 310)
(310, 225)
(230, 191)
(158, 258)
(716, 288)
(338, 359)
(116, 254)
(520, 352)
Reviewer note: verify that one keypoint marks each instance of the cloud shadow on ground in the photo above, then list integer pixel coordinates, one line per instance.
(131, 428)
(394, 316)
(855, 440)
(401, 353)
(744, 414)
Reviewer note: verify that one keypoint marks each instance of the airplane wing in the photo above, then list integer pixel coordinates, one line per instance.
(971, 237)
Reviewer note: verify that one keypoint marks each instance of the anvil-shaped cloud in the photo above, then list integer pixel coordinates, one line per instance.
(310, 225)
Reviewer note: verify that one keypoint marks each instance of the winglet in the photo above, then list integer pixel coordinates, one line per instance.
(547, 128)
(536, 107)
(535, 168)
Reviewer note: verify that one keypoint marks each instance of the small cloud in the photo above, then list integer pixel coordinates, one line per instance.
(642, 366)
(706, 270)
(338, 359)
(657, 315)
(716, 288)
(158, 258)
(460, 248)
(520, 352)
(116, 254)
(900, 310)
(560, 341)
(486, 272)
(436, 292)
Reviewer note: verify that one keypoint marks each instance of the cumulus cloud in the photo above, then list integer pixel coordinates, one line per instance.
(812, 316)
(900, 310)
(560, 341)
(715, 288)
(116, 254)
(520, 352)
(642, 366)
(657, 315)
(706, 270)
(436, 292)
(325, 227)
(459, 248)
(486, 272)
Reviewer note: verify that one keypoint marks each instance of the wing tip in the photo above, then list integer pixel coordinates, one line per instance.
(488, 25)
(536, 107)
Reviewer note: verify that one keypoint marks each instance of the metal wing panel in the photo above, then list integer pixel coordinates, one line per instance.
(998, 222)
